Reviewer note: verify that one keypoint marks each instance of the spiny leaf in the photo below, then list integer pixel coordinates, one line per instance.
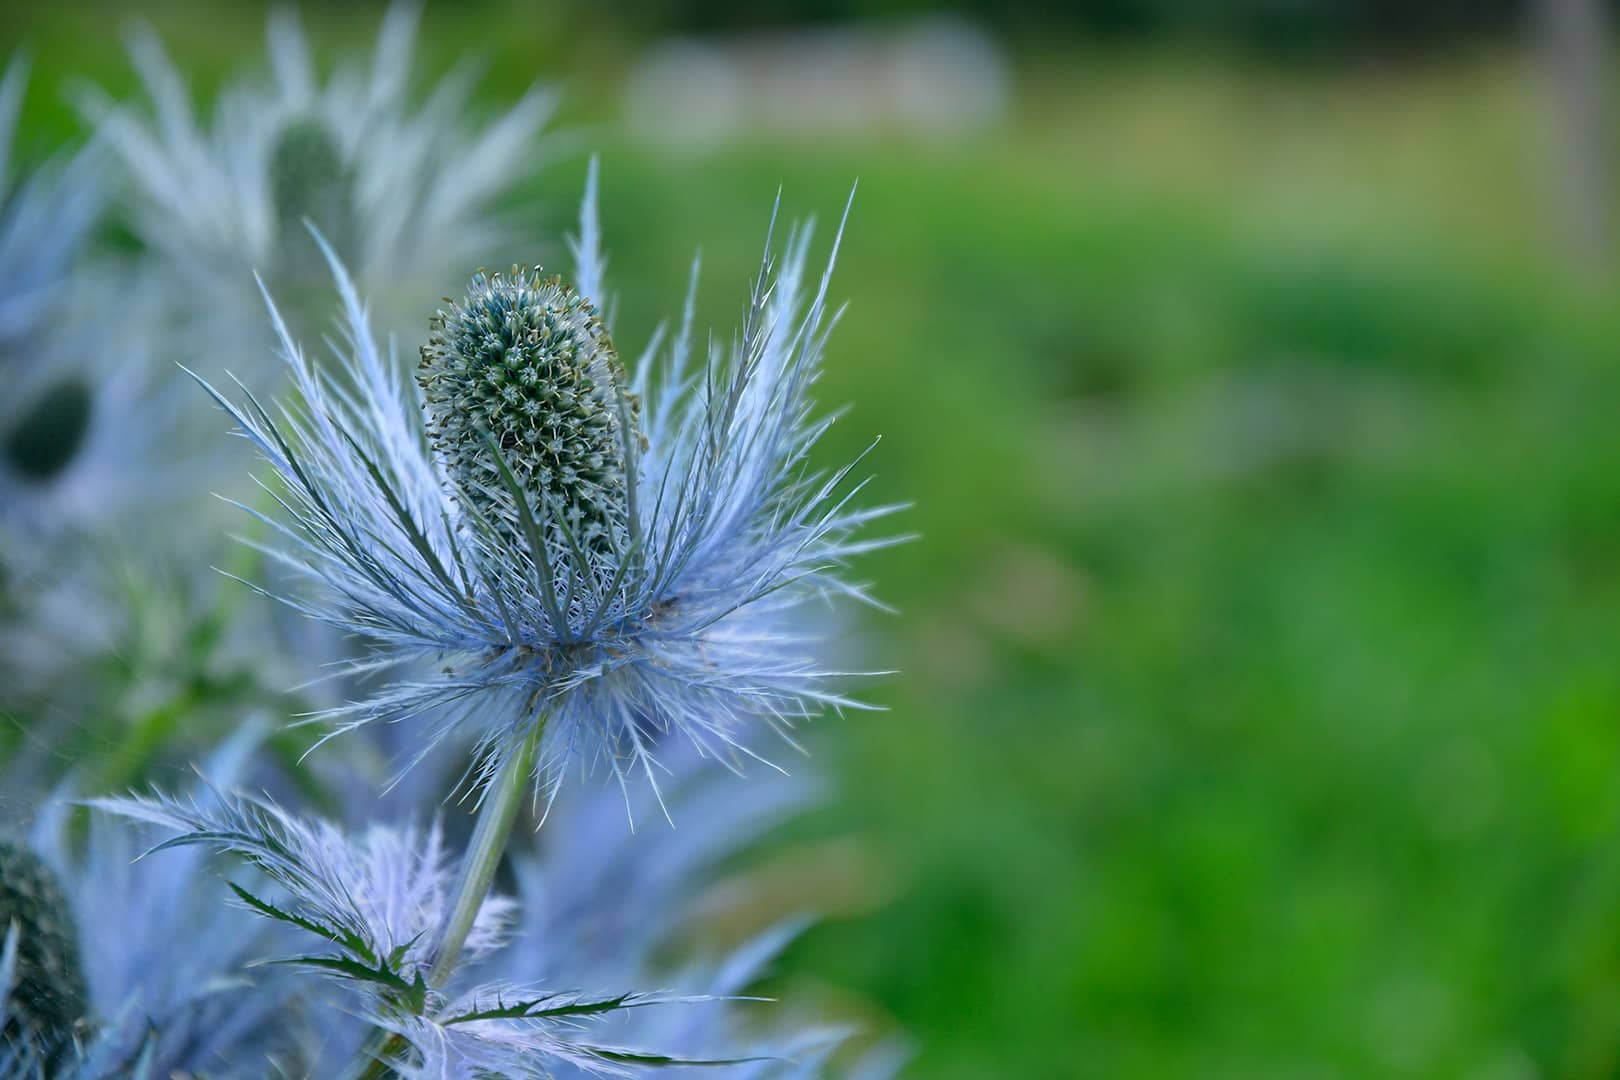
(339, 937)
(539, 1009)
(352, 969)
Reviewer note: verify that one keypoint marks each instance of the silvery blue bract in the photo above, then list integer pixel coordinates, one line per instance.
(655, 591)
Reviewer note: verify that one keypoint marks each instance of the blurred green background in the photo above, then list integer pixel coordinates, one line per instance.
(1259, 697)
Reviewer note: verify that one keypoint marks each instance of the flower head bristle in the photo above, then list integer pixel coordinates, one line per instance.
(49, 997)
(525, 363)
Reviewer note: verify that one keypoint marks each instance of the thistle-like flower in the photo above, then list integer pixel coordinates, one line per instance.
(376, 897)
(146, 969)
(44, 217)
(47, 415)
(402, 192)
(595, 561)
(82, 426)
(372, 903)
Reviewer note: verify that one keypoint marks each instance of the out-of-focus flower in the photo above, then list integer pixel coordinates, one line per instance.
(403, 192)
(50, 429)
(45, 986)
(602, 558)
(44, 218)
(91, 443)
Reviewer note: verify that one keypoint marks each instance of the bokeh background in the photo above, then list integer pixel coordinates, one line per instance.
(1255, 370)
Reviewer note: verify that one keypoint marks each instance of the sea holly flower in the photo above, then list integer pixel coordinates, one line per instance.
(374, 898)
(45, 215)
(48, 414)
(402, 191)
(526, 363)
(20, 1057)
(370, 903)
(167, 962)
(86, 435)
(596, 906)
(594, 561)
(132, 968)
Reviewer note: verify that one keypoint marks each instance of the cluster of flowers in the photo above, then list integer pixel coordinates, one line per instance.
(520, 559)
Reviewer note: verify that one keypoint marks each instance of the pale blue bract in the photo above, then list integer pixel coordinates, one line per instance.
(688, 624)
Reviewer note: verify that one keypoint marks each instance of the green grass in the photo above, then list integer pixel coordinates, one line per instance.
(1259, 695)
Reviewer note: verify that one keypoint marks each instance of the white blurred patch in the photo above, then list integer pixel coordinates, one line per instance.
(938, 77)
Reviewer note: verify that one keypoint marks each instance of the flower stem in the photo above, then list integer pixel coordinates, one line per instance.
(373, 1062)
(495, 819)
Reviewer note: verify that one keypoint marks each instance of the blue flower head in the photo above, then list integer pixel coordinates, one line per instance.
(612, 559)
(98, 446)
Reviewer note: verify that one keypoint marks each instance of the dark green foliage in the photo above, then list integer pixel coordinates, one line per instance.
(49, 997)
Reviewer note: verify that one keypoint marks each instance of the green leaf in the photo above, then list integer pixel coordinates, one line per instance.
(345, 938)
(540, 1009)
(631, 1057)
(353, 969)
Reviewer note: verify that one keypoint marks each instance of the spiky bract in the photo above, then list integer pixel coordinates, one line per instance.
(166, 959)
(373, 903)
(378, 897)
(688, 620)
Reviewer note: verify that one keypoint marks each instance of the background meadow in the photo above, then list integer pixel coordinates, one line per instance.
(1258, 694)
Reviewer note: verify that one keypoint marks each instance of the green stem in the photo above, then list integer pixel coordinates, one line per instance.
(495, 819)
(373, 1062)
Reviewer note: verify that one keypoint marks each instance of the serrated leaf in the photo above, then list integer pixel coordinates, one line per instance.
(338, 937)
(352, 969)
